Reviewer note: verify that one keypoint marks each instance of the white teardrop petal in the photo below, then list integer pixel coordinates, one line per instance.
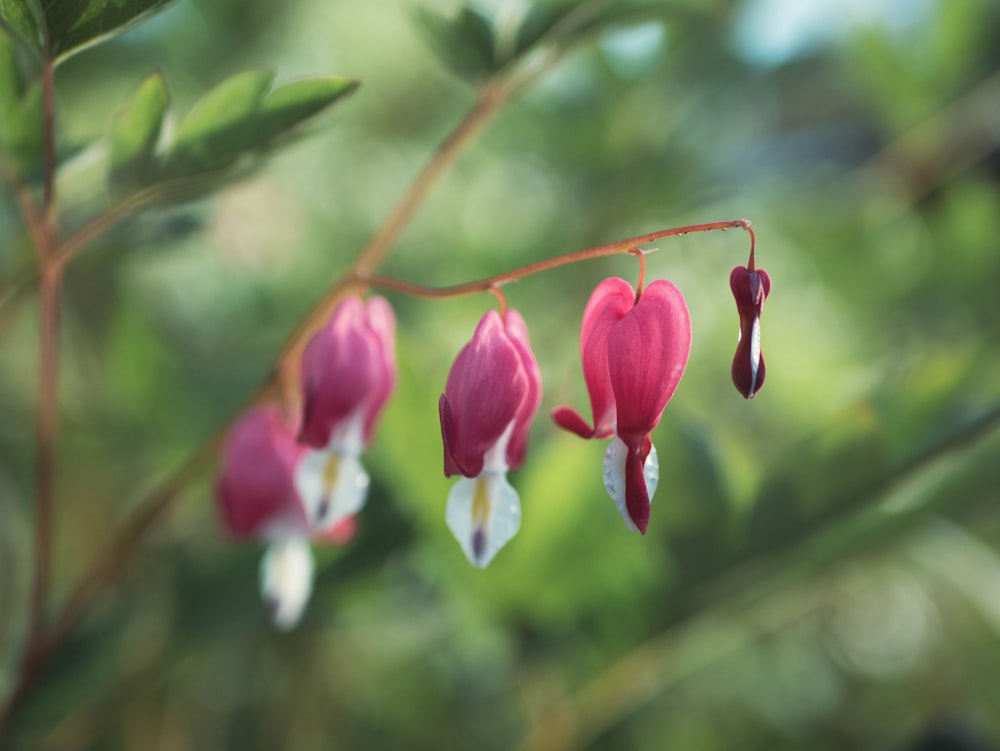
(483, 514)
(286, 576)
(754, 355)
(614, 476)
(332, 486)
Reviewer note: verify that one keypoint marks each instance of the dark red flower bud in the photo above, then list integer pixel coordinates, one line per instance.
(750, 288)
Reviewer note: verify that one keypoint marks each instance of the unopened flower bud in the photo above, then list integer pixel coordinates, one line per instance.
(750, 288)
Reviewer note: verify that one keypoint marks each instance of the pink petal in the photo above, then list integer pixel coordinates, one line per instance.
(342, 532)
(569, 419)
(348, 367)
(338, 368)
(255, 484)
(485, 389)
(517, 331)
(609, 303)
(382, 325)
(636, 493)
(647, 353)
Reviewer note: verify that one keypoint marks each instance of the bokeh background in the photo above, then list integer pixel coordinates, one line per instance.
(822, 568)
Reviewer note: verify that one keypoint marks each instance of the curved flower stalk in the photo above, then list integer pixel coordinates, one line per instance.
(634, 351)
(492, 394)
(257, 499)
(750, 288)
(348, 375)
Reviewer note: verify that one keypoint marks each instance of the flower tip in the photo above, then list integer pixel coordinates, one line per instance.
(631, 481)
(479, 547)
(286, 577)
(570, 420)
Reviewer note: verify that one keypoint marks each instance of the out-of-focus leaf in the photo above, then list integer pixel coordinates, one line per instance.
(21, 17)
(239, 116)
(216, 128)
(820, 478)
(692, 504)
(288, 105)
(20, 113)
(135, 132)
(73, 24)
(540, 20)
(79, 674)
(464, 44)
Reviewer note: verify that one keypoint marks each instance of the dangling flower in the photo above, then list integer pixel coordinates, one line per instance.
(493, 391)
(750, 288)
(634, 354)
(257, 499)
(348, 374)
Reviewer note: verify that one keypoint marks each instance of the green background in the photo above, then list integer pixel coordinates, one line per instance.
(821, 569)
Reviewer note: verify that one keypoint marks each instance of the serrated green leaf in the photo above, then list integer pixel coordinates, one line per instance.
(74, 24)
(21, 116)
(217, 128)
(135, 132)
(22, 18)
(463, 44)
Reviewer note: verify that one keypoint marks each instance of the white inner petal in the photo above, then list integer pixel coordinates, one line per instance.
(348, 437)
(754, 354)
(286, 576)
(332, 485)
(495, 459)
(483, 514)
(614, 476)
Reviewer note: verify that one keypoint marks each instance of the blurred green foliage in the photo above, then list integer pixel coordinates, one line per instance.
(821, 569)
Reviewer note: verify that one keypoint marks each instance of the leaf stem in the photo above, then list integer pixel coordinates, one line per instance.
(40, 222)
(49, 135)
(491, 283)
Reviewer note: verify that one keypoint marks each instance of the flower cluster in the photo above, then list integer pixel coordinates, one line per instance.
(292, 481)
(299, 480)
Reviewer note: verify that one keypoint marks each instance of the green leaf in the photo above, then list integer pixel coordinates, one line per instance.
(288, 105)
(21, 117)
(539, 21)
(135, 132)
(21, 18)
(239, 116)
(820, 479)
(216, 129)
(74, 24)
(464, 44)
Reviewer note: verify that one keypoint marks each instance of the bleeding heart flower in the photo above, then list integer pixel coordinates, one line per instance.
(750, 288)
(493, 391)
(257, 499)
(634, 354)
(348, 375)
